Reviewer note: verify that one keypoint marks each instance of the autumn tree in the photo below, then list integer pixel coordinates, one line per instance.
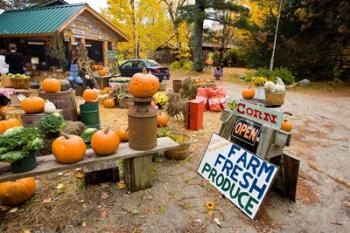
(213, 10)
(146, 23)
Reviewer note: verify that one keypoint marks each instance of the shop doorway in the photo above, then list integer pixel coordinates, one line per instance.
(95, 50)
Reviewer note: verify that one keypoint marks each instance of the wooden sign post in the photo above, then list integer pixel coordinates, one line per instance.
(241, 176)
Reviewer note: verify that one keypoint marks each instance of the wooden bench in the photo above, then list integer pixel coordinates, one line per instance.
(137, 164)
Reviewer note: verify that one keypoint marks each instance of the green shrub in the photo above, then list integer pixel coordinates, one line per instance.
(183, 64)
(283, 73)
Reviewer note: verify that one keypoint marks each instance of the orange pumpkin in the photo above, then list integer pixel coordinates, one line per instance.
(9, 123)
(4, 109)
(286, 126)
(123, 133)
(143, 85)
(33, 104)
(248, 93)
(90, 95)
(68, 148)
(17, 192)
(109, 103)
(162, 119)
(105, 142)
(102, 73)
(51, 85)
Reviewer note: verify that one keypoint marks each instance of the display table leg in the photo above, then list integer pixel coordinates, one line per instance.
(137, 172)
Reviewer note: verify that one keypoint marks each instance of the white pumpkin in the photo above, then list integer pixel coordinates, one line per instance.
(49, 107)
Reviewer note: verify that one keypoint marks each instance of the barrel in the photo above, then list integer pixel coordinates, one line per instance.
(32, 120)
(64, 100)
(142, 122)
(90, 115)
(177, 84)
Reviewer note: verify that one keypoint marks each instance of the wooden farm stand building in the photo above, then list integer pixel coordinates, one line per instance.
(32, 29)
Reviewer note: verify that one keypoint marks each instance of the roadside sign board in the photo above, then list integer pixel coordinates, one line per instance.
(260, 114)
(241, 176)
(246, 133)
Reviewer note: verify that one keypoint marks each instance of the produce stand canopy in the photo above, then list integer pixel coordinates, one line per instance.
(48, 163)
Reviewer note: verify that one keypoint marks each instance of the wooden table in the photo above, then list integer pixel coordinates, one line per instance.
(137, 164)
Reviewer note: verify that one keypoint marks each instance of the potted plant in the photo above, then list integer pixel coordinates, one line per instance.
(18, 146)
(184, 140)
(121, 94)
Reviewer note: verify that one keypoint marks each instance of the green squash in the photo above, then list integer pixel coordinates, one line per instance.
(65, 85)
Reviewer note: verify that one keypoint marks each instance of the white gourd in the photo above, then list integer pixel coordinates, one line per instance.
(269, 86)
(49, 107)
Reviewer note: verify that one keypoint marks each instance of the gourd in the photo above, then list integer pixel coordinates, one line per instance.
(51, 85)
(65, 85)
(105, 142)
(248, 93)
(162, 119)
(123, 133)
(286, 125)
(90, 95)
(269, 86)
(9, 123)
(106, 90)
(109, 103)
(33, 105)
(4, 109)
(17, 192)
(49, 107)
(102, 73)
(68, 148)
(143, 85)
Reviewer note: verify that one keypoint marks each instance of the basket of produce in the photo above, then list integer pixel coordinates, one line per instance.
(6, 81)
(275, 93)
(19, 81)
(184, 141)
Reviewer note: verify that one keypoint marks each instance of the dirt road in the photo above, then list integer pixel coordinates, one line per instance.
(176, 202)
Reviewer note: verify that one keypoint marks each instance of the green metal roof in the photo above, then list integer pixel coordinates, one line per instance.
(36, 20)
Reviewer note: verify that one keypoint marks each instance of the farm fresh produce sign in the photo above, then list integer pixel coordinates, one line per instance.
(241, 176)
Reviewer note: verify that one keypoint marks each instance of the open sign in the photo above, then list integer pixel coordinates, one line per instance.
(246, 131)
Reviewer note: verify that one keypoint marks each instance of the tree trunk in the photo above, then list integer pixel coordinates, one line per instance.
(198, 37)
(134, 31)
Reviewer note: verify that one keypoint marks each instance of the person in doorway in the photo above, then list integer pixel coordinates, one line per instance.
(15, 60)
(4, 68)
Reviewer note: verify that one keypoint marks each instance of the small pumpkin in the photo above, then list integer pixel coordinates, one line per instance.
(109, 103)
(248, 93)
(49, 107)
(123, 133)
(17, 192)
(105, 142)
(68, 148)
(4, 109)
(286, 125)
(65, 85)
(106, 90)
(102, 73)
(143, 85)
(51, 85)
(8, 124)
(162, 119)
(90, 95)
(33, 104)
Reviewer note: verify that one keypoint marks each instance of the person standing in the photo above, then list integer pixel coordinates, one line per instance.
(15, 60)
(4, 68)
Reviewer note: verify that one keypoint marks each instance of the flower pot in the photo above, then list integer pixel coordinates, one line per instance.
(181, 152)
(23, 165)
(260, 93)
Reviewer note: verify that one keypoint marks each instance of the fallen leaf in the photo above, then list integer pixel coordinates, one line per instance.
(60, 188)
(60, 174)
(84, 224)
(335, 222)
(216, 220)
(47, 200)
(134, 211)
(13, 210)
(104, 195)
(121, 185)
(198, 220)
(79, 174)
(4, 208)
(347, 204)
(103, 214)
(26, 231)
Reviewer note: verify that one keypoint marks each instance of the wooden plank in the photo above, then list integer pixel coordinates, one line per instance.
(48, 163)
(137, 172)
